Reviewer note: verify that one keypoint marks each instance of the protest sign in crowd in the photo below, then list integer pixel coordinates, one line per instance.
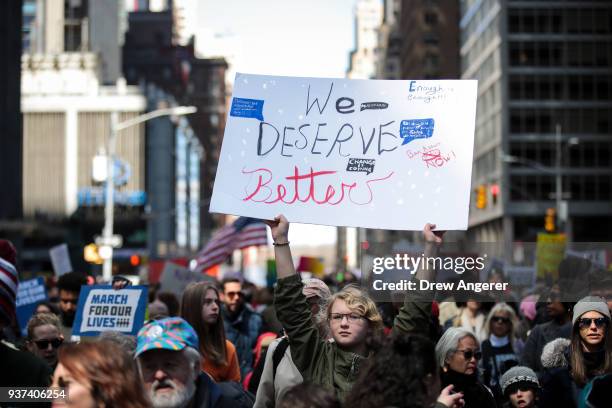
(205, 342)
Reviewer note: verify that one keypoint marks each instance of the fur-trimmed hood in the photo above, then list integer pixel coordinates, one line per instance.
(555, 354)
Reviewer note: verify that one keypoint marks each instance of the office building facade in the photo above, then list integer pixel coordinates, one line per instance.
(544, 117)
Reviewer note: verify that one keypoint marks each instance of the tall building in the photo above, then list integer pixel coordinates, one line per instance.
(70, 83)
(57, 26)
(389, 42)
(10, 117)
(430, 39)
(544, 117)
(362, 60)
(152, 55)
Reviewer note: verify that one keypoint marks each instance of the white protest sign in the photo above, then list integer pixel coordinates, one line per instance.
(60, 259)
(361, 153)
(102, 308)
(175, 278)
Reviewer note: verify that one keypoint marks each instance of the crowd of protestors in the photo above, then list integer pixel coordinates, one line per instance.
(313, 343)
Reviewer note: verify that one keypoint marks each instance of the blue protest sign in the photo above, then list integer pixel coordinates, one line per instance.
(247, 108)
(102, 308)
(30, 293)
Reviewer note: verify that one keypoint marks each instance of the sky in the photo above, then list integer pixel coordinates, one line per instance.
(286, 37)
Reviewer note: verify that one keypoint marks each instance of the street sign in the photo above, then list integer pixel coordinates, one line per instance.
(115, 241)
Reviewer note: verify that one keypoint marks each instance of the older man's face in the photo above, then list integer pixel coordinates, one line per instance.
(169, 377)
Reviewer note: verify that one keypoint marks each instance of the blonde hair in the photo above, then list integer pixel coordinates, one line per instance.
(42, 319)
(359, 302)
(506, 308)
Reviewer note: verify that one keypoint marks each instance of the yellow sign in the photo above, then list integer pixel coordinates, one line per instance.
(550, 251)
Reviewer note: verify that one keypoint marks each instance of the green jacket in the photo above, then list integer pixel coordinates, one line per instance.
(415, 315)
(319, 361)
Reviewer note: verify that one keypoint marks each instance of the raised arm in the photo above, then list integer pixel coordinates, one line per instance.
(415, 314)
(280, 234)
(290, 303)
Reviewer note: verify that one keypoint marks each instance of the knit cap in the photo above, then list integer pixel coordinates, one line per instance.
(519, 375)
(590, 304)
(315, 287)
(8, 281)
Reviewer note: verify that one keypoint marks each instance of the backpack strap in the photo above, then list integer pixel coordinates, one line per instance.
(279, 352)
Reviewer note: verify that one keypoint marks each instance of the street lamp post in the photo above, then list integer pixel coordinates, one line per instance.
(560, 204)
(106, 249)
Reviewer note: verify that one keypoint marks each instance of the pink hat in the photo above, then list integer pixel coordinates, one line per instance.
(528, 307)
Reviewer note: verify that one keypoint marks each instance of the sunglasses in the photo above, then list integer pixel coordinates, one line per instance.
(585, 322)
(500, 319)
(233, 294)
(44, 344)
(468, 354)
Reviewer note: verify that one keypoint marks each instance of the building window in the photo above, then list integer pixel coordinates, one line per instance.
(431, 18)
(430, 39)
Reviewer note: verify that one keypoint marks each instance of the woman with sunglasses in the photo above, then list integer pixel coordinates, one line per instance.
(499, 349)
(458, 353)
(201, 308)
(44, 337)
(588, 355)
(458, 350)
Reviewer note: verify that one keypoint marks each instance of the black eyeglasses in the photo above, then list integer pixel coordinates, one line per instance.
(500, 319)
(44, 344)
(585, 322)
(468, 354)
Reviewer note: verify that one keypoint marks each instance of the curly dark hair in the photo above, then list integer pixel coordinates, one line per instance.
(396, 375)
(72, 282)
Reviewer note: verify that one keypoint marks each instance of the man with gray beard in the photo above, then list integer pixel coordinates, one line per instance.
(169, 362)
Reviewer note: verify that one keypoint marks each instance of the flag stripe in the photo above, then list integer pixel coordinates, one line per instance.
(244, 232)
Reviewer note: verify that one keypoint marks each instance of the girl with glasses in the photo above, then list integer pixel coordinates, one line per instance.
(499, 351)
(352, 317)
(588, 355)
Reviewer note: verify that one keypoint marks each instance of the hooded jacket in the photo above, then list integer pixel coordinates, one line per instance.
(319, 361)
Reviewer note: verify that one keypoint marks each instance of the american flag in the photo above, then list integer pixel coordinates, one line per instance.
(242, 233)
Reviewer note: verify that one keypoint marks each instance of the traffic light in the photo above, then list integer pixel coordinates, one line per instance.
(481, 197)
(494, 193)
(550, 220)
(135, 260)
